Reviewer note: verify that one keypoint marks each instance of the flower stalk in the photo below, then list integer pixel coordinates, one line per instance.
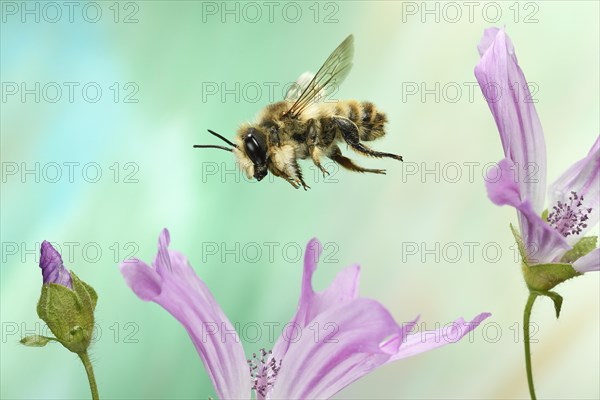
(526, 335)
(85, 359)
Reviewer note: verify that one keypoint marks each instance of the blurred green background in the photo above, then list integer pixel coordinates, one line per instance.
(163, 69)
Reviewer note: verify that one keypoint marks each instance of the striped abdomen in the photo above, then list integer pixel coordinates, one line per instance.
(370, 122)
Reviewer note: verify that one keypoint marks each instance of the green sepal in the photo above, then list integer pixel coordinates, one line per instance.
(519, 241)
(556, 298)
(581, 248)
(35, 341)
(86, 293)
(69, 313)
(543, 277)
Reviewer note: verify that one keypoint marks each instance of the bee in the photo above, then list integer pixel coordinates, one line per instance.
(300, 127)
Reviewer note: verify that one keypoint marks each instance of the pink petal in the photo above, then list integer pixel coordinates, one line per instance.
(502, 186)
(392, 345)
(588, 263)
(174, 285)
(53, 269)
(341, 346)
(505, 89)
(337, 337)
(489, 35)
(543, 243)
(421, 342)
(143, 280)
(583, 177)
(344, 288)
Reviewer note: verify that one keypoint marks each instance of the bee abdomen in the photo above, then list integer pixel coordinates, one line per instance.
(370, 121)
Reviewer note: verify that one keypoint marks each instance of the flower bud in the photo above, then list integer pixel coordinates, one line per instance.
(66, 303)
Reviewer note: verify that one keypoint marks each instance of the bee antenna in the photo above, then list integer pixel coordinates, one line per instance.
(222, 138)
(212, 146)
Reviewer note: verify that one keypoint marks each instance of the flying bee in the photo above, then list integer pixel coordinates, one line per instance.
(300, 127)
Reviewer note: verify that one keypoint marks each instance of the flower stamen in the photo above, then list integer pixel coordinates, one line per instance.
(569, 218)
(263, 370)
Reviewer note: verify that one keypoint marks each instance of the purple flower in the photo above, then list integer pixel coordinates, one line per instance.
(52, 266)
(357, 334)
(549, 235)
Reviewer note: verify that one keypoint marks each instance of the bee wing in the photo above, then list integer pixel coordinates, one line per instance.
(330, 75)
(294, 92)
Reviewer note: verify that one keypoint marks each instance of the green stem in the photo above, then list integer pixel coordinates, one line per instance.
(85, 359)
(526, 315)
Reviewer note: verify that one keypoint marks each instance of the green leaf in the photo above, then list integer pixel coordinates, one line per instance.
(35, 341)
(581, 248)
(543, 277)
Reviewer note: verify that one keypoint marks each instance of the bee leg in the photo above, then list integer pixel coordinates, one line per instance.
(315, 155)
(347, 163)
(279, 168)
(293, 183)
(297, 182)
(304, 185)
(277, 172)
(297, 175)
(312, 141)
(349, 131)
(317, 162)
(291, 172)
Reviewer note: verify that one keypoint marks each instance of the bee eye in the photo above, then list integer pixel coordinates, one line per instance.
(254, 150)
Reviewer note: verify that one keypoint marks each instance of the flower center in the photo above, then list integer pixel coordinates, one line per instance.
(569, 218)
(263, 370)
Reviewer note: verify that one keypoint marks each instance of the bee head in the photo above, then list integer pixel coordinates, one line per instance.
(254, 146)
(250, 150)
